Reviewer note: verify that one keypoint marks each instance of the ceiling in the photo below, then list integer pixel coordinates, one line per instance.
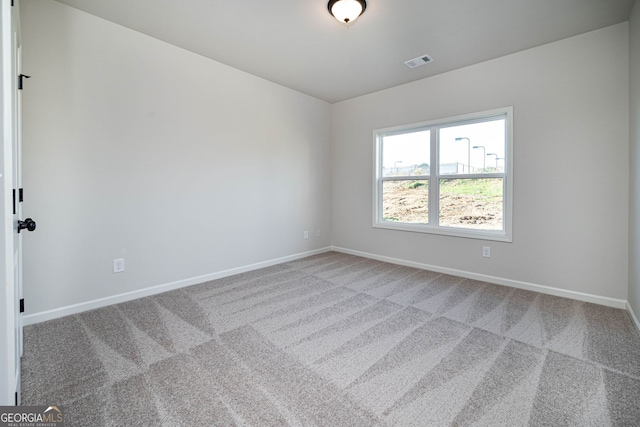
(298, 44)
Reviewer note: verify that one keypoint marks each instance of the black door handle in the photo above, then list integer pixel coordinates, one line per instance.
(28, 223)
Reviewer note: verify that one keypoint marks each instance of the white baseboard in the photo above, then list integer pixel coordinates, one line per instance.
(634, 318)
(128, 296)
(580, 296)
(31, 319)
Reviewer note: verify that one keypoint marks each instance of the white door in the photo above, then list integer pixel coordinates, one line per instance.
(10, 180)
(17, 198)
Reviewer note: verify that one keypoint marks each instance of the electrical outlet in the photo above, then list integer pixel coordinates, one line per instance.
(306, 235)
(118, 265)
(318, 233)
(486, 251)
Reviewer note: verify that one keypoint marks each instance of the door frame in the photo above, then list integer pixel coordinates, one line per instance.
(9, 311)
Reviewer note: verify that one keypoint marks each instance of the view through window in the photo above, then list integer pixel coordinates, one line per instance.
(448, 177)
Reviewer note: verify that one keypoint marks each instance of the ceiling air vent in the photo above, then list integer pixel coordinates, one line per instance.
(416, 62)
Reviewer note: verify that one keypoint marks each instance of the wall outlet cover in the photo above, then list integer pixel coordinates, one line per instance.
(118, 265)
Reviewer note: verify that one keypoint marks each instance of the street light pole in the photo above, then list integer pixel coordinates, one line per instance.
(494, 154)
(395, 165)
(468, 152)
(484, 156)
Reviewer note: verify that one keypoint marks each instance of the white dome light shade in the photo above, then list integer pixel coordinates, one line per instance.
(347, 10)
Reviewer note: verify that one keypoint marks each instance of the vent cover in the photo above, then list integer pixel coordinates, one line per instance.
(416, 62)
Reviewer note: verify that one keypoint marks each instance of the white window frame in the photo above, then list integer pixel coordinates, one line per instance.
(504, 235)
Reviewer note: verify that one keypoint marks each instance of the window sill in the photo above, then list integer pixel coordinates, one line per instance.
(493, 235)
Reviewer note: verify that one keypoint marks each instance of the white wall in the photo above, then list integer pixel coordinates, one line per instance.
(634, 206)
(183, 166)
(571, 167)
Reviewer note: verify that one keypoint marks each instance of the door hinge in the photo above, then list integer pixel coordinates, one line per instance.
(22, 305)
(20, 79)
(18, 199)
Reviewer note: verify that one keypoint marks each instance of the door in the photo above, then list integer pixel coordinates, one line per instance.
(16, 160)
(10, 224)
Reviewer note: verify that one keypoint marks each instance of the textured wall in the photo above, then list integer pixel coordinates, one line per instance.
(183, 166)
(571, 166)
(634, 206)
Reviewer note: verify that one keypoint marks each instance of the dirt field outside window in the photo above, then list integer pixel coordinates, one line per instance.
(464, 203)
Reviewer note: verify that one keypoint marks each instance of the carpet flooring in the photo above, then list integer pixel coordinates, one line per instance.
(338, 340)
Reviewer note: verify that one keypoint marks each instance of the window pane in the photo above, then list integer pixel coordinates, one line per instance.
(406, 154)
(406, 201)
(471, 203)
(473, 148)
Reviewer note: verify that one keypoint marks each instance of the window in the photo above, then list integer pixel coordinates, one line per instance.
(452, 176)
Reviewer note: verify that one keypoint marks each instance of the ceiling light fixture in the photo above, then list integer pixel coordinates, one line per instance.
(346, 11)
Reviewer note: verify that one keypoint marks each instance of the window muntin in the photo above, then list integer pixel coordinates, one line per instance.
(465, 191)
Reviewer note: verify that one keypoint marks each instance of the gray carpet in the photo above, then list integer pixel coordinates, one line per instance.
(339, 340)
